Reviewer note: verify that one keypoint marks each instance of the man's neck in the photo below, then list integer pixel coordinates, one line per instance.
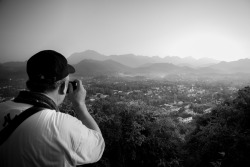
(37, 99)
(51, 95)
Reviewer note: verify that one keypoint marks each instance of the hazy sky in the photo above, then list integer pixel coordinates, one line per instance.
(217, 29)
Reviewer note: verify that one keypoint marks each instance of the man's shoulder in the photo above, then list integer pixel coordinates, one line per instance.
(13, 105)
(12, 108)
(66, 118)
(9, 110)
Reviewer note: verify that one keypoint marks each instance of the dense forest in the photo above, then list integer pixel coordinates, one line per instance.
(138, 134)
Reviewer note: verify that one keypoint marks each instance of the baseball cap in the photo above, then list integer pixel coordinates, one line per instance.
(48, 66)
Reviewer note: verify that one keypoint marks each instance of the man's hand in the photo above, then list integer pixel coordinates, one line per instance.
(77, 96)
(78, 99)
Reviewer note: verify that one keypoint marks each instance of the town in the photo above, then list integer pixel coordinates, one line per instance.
(183, 99)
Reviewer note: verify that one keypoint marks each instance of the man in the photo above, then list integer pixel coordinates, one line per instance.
(49, 137)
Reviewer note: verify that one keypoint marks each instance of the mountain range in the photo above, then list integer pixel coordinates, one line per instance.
(91, 63)
(134, 61)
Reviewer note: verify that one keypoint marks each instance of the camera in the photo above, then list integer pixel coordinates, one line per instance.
(74, 85)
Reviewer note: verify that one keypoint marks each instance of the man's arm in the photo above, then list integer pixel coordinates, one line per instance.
(78, 99)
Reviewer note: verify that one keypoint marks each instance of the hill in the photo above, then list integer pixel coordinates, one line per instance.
(94, 67)
(240, 66)
(13, 70)
(132, 60)
(88, 54)
(162, 68)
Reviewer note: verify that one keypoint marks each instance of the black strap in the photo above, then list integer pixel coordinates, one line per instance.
(10, 128)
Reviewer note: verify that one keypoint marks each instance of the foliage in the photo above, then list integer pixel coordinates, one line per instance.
(222, 137)
(135, 135)
(138, 134)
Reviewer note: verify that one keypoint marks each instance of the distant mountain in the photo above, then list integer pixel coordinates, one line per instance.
(240, 66)
(3, 71)
(90, 67)
(190, 61)
(132, 60)
(205, 62)
(88, 54)
(13, 70)
(162, 68)
(15, 66)
(177, 60)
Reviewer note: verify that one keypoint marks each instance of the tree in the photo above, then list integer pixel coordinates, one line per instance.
(222, 137)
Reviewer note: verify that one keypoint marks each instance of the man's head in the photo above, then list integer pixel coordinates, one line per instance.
(47, 70)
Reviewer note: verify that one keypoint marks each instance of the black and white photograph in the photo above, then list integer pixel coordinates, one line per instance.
(125, 83)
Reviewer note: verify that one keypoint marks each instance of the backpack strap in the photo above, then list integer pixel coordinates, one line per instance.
(16, 121)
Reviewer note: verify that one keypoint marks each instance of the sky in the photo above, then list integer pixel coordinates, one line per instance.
(218, 29)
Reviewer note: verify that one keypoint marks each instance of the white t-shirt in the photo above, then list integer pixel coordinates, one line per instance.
(48, 138)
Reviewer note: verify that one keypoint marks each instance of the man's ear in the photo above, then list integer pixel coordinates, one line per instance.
(63, 88)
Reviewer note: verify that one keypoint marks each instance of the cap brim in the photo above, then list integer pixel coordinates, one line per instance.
(71, 69)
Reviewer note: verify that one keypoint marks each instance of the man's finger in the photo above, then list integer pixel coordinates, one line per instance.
(79, 83)
(70, 88)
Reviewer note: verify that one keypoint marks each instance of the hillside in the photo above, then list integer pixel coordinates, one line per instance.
(164, 68)
(88, 54)
(93, 67)
(132, 60)
(13, 70)
(240, 66)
